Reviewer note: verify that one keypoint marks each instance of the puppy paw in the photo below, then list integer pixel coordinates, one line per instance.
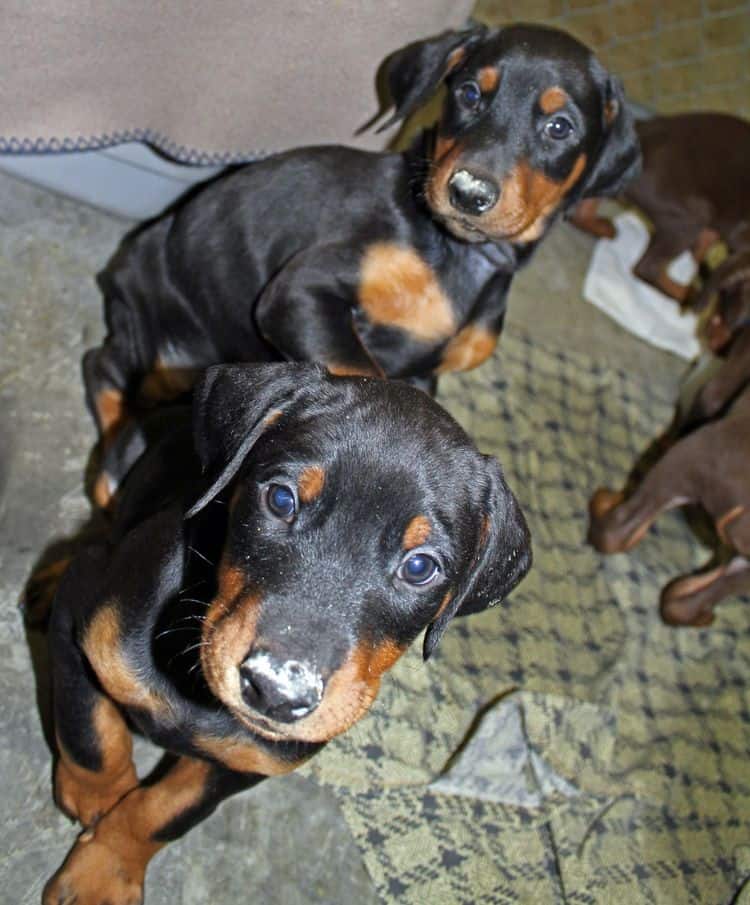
(93, 874)
(601, 504)
(687, 600)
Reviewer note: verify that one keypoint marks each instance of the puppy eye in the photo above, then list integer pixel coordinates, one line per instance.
(558, 128)
(280, 501)
(469, 95)
(419, 569)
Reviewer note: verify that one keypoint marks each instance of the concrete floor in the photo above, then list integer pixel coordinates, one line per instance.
(284, 842)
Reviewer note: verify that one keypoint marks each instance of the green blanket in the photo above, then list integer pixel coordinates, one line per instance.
(565, 746)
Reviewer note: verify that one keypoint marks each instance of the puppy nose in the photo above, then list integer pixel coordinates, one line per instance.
(472, 194)
(284, 690)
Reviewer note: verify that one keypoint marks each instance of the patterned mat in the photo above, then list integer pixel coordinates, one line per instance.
(566, 746)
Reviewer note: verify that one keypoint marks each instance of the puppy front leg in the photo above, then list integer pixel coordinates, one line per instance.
(307, 316)
(654, 263)
(690, 599)
(94, 767)
(108, 862)
(618, 523)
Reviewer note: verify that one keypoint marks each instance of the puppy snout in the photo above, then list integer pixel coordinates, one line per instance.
(283, 690)
(472, 194)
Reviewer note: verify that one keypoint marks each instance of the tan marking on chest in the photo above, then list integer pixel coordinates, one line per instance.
(244, 756)
(417, 532)
(468, 349)
(398, 289)
(553, 99)
(102, 644)
(310, 483)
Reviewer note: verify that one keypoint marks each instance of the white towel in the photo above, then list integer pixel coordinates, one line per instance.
(636, 306)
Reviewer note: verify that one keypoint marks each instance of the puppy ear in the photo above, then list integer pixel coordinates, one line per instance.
(502, 555)
(412, 74)
(619, 158)
(233, 405)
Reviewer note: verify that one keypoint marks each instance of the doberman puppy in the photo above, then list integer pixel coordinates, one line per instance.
(707, 465)
(694, 187)
(395, 264)
(270, 558)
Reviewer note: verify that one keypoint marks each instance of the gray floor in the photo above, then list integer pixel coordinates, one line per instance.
(284, 842)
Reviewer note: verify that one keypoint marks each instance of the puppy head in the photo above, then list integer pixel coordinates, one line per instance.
(531, 123)
(360, 514)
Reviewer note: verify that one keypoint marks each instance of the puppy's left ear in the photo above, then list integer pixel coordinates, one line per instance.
(412, 74)
(502, 555)
(619, 158)
(233, 406)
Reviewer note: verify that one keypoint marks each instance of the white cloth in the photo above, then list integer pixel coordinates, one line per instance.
(649, 314)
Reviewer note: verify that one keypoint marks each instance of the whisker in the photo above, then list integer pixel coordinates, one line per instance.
(169, 631)
(198, 553)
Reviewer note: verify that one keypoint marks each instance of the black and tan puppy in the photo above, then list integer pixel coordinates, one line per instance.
(268, 563)
(388, 264)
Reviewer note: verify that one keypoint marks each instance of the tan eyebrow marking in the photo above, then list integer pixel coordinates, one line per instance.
(310, 482)
(488, 78)
(417, 532)
(553, 99)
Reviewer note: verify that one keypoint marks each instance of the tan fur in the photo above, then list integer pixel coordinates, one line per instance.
(102, 644)
(417, 532)
(468, 349)
(87, 794)
(243, 756)
(488, 78)
(110, 408)
(528, 199)
(165, 381)
(310, 483)
(398, 289)
(552, 100)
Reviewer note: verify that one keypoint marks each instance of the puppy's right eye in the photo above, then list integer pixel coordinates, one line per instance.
(281, 502)
(469, 95)
(419, 569)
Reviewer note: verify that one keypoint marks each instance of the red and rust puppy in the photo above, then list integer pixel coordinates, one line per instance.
(708, 465)
(694, 187)
(254, 592)
(389, 264)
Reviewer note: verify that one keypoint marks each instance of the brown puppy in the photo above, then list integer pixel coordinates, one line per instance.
(694, 187)
(708, 466)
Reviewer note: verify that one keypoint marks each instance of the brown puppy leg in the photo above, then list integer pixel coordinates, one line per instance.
(617, 524)
(585, 217)
(690, 600)
(660, 252)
